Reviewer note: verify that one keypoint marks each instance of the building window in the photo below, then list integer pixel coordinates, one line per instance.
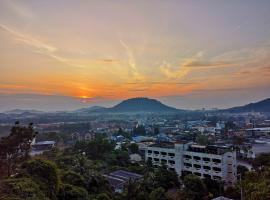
(156, 152)
(216, 160)
(171, 154)
(163, 153)
(156, 159)
(163, 161)
(217, 177)
(206, 167)
(149, 158)
(197, 166)
(187, 165)
(149, 151)
(196, 158)
(216, 169)
(171, 161)
(187, 156)
(206, 159)
(207, 176)
(197, 174)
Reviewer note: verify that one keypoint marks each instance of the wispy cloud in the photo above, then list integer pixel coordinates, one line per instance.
(131, 61)
(38, 46)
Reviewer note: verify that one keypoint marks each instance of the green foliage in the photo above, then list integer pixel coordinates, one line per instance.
(202, 139)
(261, 161)
(72, 192)
(158, 194)
(118, 157)
(45, 174)
(20, 189)
(166, 178)
(123, 133)
(15, 148)
(139, 130)
(95, 150)
(96, 184)
(256, 185)
(133, 148)
(102, 196)
(73, 178)
(77, 163)
(195, 189)
(214, 187)
(242, 170)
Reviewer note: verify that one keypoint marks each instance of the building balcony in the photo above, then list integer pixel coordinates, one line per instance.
(206, 162)
(216, 164)
(197, 161)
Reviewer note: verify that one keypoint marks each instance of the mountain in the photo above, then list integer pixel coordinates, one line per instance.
(21, 111)
(142, 105)
(261, 106)
(91, 109)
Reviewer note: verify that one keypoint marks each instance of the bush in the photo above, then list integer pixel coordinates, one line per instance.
(72, 192)
(20, 189)
(45, 174)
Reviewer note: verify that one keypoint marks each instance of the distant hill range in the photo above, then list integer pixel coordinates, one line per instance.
(135, 105)
(21, 111)
(261, 106)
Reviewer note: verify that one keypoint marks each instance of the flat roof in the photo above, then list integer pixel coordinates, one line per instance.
(168, 145)
(44, 142)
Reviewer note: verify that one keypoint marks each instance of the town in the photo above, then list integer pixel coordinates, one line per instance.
(219, 146)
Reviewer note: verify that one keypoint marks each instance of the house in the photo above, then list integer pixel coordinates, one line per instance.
(39, 147)
(118, 179)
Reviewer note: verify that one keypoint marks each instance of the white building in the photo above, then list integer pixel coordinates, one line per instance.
(215, 162)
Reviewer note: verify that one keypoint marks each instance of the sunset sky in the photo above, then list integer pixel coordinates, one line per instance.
(67, 54)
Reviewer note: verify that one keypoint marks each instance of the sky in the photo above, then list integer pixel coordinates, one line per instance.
(67, 54)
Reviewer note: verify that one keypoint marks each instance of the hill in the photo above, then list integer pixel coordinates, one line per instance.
(142, 105)
(91, 109)
(261, 106)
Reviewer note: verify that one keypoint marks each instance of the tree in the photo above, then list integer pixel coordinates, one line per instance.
(73, 178)
(202, 139)
(20, 189)
(242, 170)
(67, 191)
(133, 148)
(15, 147)
(139, 130)
(263, 160)
(214, 187)
(45, 174)
(195, 189)
(156, 130)
(158, 194)
(95, 149)
(118, 157)
(166, 178)
(256, 185)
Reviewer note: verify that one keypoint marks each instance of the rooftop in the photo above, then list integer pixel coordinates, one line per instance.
(168, 145)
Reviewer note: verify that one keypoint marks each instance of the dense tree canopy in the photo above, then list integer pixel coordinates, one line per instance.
(15, 147)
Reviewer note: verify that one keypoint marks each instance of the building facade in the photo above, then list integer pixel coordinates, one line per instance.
(215, 162)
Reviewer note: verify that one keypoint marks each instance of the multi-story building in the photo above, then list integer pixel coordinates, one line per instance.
(212, 161)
